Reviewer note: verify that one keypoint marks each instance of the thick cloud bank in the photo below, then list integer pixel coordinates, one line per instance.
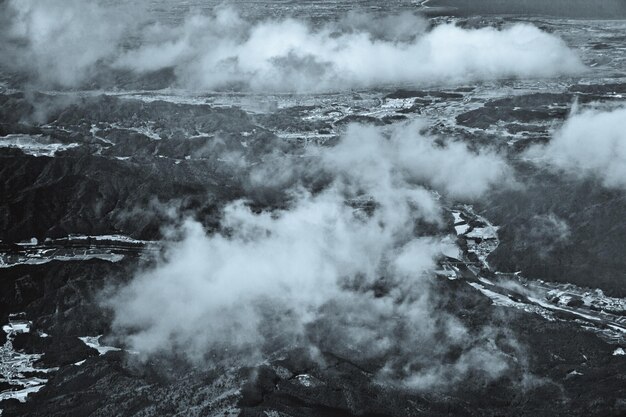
(349, 269)
(66, 42)
(590, 143)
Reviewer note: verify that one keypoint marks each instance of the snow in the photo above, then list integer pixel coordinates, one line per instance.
(31, 242)
(496, 298)
(564, 300)
(460, 225)
(607, 316)
(94, 342)
(549, 306)
(111, 257)
(399, 103)
(19, 395)
(103, 247)
(619, 352)
(489, 232)
(461, 229)
(448, 271)
(144, 130)
(618, 328)
(308, 380)
(35, 145)
(485, 281)
(304, 379)
(15, 365)
(20, 327)
(112, 238)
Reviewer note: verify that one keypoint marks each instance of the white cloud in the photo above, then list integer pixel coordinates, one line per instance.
(590, 143)
(62, 42)
(67, 41)
(376, 160)
(290, 55)
(323, 272)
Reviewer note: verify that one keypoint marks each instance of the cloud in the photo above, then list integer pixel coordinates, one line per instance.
(67, 42)
(291, 55)
(62, 42)
(548, 229)
(542, 234)
(378, 160)
(348, 268)
(591, 143)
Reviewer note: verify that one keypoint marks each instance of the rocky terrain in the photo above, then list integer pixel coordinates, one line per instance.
(526, 315)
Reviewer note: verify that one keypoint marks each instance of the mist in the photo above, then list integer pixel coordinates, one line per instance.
(67, 45)
(348, 269)
(61, 43)
(591, 143)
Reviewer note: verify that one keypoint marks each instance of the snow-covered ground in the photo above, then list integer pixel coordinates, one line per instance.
(594, 310)
(19, 369)
(94, 342)
(15, 366)
(35, 145)
(110, 248)
(104, 238)
(481, 240)
(38, 260)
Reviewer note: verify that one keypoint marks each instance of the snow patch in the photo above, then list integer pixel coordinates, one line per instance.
(308, 381)
(94, 342)
(461, 229)
(488, 232)
(496, 298)
(35, 145)
(14, 366)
